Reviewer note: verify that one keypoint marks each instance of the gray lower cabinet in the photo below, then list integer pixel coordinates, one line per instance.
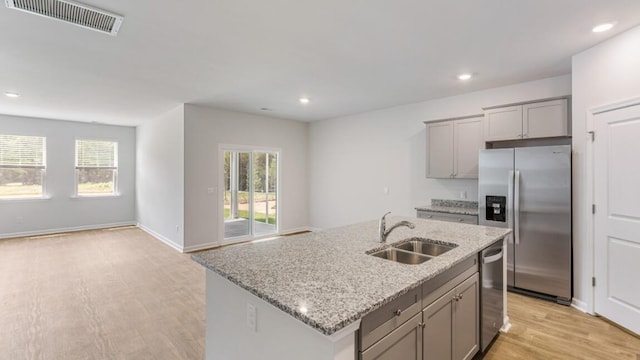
(452, 323)
(438, 320)
(403, 343)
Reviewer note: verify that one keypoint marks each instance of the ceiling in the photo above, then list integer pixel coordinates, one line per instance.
(346, 56)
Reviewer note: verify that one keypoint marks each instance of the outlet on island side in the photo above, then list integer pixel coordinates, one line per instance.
(251, 317)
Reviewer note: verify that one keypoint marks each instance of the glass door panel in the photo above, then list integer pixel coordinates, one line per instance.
(265, 167)
(237, 204)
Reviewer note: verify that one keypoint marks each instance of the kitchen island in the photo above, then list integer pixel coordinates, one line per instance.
(303, 296)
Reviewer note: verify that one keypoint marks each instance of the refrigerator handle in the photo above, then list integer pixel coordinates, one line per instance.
(510, 199)
(516, 207)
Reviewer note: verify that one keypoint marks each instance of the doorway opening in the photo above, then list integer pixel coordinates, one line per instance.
(251, 189)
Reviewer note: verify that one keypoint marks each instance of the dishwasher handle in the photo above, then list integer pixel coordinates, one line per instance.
(492, 256)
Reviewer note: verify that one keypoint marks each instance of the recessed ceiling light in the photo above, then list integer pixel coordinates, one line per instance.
(11, 94)
(464, 76)
(304, 100)
(602, 27)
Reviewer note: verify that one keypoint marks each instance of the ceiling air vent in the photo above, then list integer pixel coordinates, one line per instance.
(71, 12)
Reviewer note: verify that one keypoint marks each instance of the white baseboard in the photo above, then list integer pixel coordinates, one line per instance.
(297, 230)
(580, 305)
(162, 238)
(506, 325)
(66, 229)
(201, 246)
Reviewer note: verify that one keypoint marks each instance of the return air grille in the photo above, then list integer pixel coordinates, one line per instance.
(71, 12)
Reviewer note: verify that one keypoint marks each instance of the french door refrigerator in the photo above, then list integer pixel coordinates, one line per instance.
(528, 189)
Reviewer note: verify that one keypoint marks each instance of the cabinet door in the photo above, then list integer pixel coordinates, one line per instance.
(503, 123)
(545, 119)
(437, 335)
(466, 319)
(403, 343)
(440, 150)
(468, 140)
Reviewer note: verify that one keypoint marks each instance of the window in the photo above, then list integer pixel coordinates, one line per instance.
(22, 166)
(96, 167)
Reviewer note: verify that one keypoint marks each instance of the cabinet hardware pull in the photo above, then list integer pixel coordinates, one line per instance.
(423, 325)
(397, 312)
(460, 219)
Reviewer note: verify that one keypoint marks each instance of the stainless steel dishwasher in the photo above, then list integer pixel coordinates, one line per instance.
(491, 293)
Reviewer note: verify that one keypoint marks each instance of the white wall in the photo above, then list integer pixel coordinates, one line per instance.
(62, 211)
(160, 177)
(603, 74)
(354, 158)
(205, 130)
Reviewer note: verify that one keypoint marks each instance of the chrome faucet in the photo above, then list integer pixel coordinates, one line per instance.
(384, 232)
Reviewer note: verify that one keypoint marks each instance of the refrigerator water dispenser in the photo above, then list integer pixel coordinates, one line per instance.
(496, 208)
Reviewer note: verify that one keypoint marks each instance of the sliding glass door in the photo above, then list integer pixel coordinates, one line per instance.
(251, 193)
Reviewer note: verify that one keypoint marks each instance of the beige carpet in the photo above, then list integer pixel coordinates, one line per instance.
(105, 294)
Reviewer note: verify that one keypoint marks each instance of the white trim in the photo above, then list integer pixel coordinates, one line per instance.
(162, 238)
(208, 245)
(67, 229)
(103, 196)
(296, 230)
(615, 105)
(589, 245)
(506, 325)
(580, 305)
(25, 198)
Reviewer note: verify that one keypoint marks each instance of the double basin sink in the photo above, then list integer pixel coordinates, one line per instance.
(414, 251)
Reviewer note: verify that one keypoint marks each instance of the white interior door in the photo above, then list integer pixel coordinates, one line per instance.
(617, 217)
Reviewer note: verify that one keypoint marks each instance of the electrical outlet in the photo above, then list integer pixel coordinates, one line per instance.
(211, 190)
(251, 317)
(19, 220)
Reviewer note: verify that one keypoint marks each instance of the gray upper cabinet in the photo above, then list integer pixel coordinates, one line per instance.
(527, 121)
(503, 123)
(545, 119)
(452, 148)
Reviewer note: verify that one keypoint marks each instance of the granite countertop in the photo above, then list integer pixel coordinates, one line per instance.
(326, 279)
(451, 207)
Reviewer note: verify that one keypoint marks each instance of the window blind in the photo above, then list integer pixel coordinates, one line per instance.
(96, 154)
(19, 151)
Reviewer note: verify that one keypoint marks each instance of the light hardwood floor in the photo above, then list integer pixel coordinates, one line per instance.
(121, 294)
(105, 294)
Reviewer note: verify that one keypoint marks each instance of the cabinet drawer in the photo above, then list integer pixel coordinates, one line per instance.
(443, 283)
(462, 218)
(402, 343)
(382, 321)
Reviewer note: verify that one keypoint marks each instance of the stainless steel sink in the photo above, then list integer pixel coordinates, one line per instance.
(425, 246)
(404, 257)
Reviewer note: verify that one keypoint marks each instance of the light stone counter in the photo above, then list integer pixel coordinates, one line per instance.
(327, 280)
(451, 207)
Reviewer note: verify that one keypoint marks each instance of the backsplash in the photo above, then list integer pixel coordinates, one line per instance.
(455, 203)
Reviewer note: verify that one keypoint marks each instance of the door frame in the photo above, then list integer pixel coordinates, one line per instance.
(220, 200)
(590, 192)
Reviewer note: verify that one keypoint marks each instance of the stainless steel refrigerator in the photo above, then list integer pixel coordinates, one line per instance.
(529, 190)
